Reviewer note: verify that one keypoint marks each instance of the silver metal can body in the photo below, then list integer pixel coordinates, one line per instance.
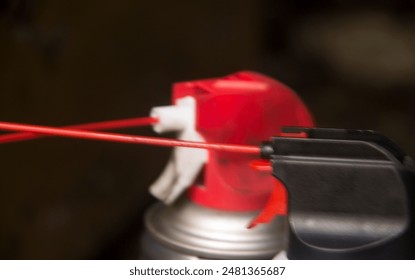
(186, 230)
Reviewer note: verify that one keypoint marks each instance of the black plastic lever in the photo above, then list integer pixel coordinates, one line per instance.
(350, 194)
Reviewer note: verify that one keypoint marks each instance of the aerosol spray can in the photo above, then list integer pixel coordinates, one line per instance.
(208, 198)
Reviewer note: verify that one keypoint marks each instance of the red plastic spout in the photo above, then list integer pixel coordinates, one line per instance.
(242, 108)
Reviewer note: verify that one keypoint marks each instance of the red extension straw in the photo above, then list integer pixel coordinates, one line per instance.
(106, 125)
(123, 138)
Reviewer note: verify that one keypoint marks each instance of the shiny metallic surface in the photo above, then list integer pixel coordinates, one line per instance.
(151, 249)
(187, 230)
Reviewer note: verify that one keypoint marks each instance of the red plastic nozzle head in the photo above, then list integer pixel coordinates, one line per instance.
(242, 108)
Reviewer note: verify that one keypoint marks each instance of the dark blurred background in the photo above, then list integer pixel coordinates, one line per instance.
(71, 61)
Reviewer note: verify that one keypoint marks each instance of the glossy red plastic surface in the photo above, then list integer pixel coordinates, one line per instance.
(244, 108)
